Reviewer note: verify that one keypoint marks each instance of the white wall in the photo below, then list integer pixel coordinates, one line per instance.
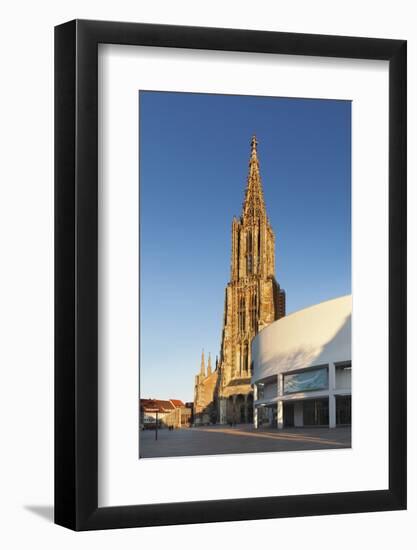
(317, 335)
(26, 203)
(343, 379)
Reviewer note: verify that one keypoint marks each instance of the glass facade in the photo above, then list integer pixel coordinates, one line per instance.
(306, 409)
(310, 380)
(343, 410)
(316, 412)
(267, 416)
(344, 376)
(261, 392)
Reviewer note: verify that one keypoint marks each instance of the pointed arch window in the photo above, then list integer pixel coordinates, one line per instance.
(245, 358)
(259, 246)
(253, 311)
(238, 254)
(241, 313)
(249, 253)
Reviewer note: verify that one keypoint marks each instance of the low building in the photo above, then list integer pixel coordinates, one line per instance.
(167, 413)
(302, 368)
(190, 405)
(185, 413)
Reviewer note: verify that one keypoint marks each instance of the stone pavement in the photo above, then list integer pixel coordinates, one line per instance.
(212, 440)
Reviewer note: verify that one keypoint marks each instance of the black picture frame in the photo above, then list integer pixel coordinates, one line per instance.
(76, 274)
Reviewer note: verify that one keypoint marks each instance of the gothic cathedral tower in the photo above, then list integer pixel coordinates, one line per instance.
(253, 299)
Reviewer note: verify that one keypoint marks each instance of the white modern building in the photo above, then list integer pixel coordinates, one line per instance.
(302, 368)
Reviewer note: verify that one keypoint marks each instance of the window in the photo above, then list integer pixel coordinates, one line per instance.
(245, 357)
(343, 410)
(249, 251)
(344, 376)
(260, 390)
(249, 264)
(242, 314)
(259, 246)
(309, 380)
(316, 412)
(253, 312)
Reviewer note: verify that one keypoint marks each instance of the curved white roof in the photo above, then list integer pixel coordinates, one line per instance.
(313, 336)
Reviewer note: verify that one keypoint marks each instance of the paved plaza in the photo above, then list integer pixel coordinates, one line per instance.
(239, 439)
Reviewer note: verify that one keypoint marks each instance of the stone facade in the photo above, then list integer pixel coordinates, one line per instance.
(253, 300)
(205, 389)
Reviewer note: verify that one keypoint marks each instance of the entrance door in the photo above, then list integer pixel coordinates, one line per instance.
(289, 415)
(343, 410)
(316, 412)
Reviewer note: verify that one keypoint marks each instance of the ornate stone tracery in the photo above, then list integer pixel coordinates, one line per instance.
(253, 300)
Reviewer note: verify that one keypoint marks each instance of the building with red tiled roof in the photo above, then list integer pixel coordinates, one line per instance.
(159, 405)
(166, 413)
(177, 403)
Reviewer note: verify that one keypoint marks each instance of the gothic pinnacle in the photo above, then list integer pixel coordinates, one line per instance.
(209, 365)
(203, 365)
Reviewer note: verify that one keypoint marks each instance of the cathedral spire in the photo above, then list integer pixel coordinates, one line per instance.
(253, 300)
(254, 144)
(203, 365)
(254, 197)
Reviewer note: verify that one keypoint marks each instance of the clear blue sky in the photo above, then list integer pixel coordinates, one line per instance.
(194, 155)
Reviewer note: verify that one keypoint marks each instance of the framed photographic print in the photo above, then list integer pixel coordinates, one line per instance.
(230, 247)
